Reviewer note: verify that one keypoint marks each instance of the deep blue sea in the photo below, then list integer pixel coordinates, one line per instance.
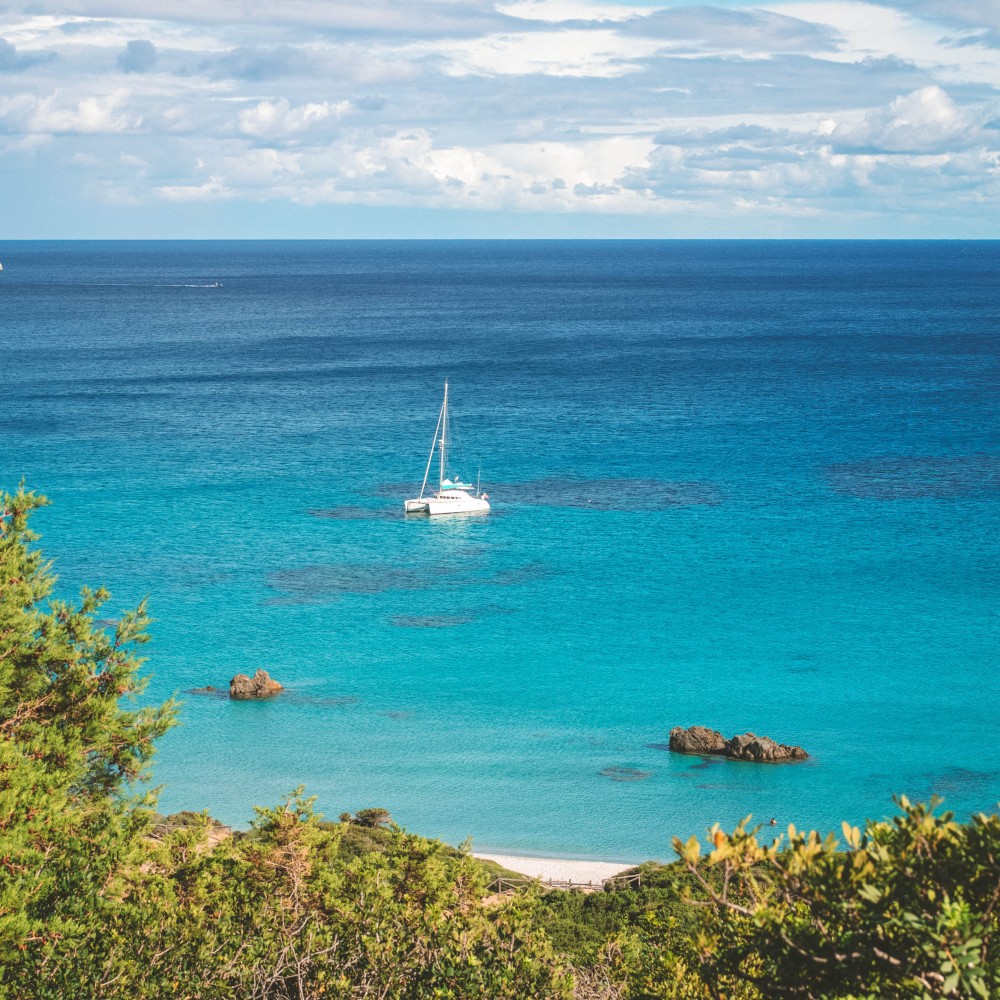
(751, 485)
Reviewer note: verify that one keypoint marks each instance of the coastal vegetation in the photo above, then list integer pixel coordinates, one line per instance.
(102, 897)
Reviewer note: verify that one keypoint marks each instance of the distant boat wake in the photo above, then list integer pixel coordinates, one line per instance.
(159, 284)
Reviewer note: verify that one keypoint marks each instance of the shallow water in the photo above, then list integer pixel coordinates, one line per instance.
(748, 485)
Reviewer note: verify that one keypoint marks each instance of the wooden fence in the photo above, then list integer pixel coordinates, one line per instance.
(505, 883)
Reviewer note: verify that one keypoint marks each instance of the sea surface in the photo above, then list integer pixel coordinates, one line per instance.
(750, 485)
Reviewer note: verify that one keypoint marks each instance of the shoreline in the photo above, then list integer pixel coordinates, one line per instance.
(557, 869)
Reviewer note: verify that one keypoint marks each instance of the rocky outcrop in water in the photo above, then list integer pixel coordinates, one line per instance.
(749, 747)
(762, 749)
(260, 685)
(697, 739)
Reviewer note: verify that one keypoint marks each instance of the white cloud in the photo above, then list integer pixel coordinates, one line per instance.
(211, 190)
(58, 113)
(554, 11)
(871, 30)
(566, 52)
(805, 108)
(416, 18)
(926, 120)
(278, 119)
(85, 160)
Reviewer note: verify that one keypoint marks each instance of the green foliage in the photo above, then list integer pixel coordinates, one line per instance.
(631, 943)
(69, 752)
(357, 840)
(909, 910)
(581, 924)
(279, 913)
(371, 818)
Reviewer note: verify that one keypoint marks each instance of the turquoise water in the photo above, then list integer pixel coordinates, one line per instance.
(747, 485)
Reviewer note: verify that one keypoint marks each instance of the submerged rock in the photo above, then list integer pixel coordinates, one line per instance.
(625, 774)
(749, 747)
(209, 691)
(260, 685)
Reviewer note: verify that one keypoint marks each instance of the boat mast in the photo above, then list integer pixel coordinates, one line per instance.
(444, 434)
(430, 457)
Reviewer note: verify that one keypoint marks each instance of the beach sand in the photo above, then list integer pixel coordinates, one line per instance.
(558, 869)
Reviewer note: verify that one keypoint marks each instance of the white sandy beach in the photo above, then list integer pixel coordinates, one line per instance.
(558, 869)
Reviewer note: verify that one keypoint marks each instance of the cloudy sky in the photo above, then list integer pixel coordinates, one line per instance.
(321, 118)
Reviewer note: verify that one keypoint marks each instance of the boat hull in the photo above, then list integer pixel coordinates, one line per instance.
(432, 506)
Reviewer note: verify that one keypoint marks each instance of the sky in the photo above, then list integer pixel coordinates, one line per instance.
(499, 118)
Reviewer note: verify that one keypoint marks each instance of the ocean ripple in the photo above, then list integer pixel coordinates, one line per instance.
(435, 621)
(353, 513)
(608, 494)
(916, 477)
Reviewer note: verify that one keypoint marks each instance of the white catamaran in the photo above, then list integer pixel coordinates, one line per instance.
(451, 497)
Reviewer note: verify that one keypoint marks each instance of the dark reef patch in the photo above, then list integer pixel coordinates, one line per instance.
(936, 477)
(704, 762)
(700, 762)
(625, 774)
(960, 781)
(326, 582)
(618, 493)
(607, 494)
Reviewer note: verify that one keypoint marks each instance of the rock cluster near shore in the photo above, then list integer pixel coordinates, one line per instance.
(260, 685)
(749, 747)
